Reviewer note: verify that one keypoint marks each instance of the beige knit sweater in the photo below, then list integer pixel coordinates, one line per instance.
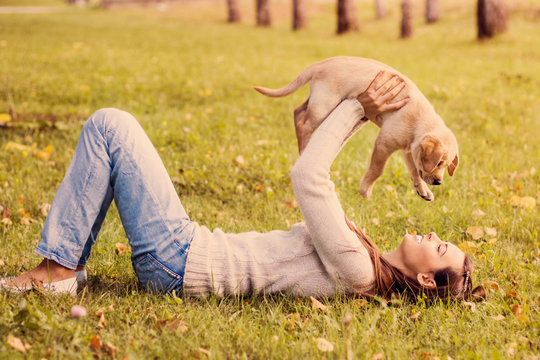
(320, 256)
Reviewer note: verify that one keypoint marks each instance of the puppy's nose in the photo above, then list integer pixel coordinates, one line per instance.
(437, 182)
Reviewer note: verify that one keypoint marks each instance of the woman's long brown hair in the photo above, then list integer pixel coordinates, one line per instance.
(391, 281)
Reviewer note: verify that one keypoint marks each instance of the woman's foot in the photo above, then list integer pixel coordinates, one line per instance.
(46, 272)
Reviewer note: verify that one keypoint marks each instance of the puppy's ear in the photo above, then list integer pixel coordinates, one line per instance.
(453, 166)
(432, 152)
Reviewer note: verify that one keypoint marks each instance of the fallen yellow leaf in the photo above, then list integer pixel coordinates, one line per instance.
(492, 241)
(491, 231)
(122, 249)
(16, 343)
(516, 309)
(44, 208)
(45, 154)
(377, 356)
(498, 317)
(476, 232)
(4, 118)
(324, 345)
(316, 304)
(478, 213)
(523, 318)
(528, 203)
(240, 160)
(468, 246)
(101, 322)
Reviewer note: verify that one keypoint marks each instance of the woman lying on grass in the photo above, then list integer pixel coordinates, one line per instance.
(325, 255)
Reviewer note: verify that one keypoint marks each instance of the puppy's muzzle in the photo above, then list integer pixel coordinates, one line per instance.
(437, 182)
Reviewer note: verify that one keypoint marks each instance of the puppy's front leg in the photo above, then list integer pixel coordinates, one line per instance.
(379, 158)
(419, 184)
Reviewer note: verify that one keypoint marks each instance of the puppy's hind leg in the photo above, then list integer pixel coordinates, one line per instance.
(309, 115)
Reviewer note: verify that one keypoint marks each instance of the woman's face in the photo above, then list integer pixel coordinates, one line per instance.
(428, 254)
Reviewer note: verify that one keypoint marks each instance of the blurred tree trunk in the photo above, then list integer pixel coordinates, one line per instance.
(263, 13)
(346, 12)
(433, 11)
(299, 15)
(492, 17)
(380, 8)
(234, 12)
(406, 20)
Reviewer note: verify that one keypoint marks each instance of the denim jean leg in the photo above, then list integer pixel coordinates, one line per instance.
(114, 151)
(94, 232)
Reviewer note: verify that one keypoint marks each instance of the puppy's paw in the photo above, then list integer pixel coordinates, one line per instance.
(423, 191)
(365, 190)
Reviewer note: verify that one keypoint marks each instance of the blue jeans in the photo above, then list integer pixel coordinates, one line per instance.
(114, 158)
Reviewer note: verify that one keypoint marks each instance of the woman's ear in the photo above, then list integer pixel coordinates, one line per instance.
(426, 281)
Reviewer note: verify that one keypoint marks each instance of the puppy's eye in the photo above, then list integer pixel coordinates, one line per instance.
(439, 164)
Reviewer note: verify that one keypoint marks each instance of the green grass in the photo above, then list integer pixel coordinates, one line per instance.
(187, 76)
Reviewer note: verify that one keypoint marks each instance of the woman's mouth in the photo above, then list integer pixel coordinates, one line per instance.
(418, 239)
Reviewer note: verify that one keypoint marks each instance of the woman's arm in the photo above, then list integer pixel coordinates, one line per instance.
(341, 252)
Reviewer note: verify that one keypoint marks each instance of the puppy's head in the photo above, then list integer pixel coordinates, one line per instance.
(435, 152)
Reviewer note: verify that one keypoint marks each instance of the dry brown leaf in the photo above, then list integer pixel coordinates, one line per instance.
(221, 214)
(112, 348)
(7, 221)
(470, 305)
(496, 187)
(415, 315)
(291, 204)
(101, 322)
(16, 343)
(492, 241)
(44, 208)
(468, 246)
(491, 285)
(377, 356)
(476, 232)
(360, 302)
(172, 326)
(240, 160)
(6, 213)
(478, 213)
(413, 232)
(498, 317)
(324, 345)
(511, 294)
(491, 231)
(451, 314)
(205, 352)
(375, 221)
(121, 249)
(95, 343)
(516, 309)
(316, 304)
(2, 263)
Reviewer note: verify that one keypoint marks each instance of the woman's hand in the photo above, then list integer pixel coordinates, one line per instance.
(375, 100)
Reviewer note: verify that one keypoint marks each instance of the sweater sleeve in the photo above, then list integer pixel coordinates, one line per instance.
(340, 250)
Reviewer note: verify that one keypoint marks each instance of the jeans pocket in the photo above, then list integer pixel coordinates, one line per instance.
(154, 276)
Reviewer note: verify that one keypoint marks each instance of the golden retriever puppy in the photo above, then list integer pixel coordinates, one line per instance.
(427, 145)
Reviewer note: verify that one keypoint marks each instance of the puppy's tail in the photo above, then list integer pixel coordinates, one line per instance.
(302, 79)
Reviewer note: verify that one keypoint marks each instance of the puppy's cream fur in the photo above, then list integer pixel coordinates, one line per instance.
(427, 145)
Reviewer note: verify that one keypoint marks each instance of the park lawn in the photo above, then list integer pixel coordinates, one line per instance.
(187, 76)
